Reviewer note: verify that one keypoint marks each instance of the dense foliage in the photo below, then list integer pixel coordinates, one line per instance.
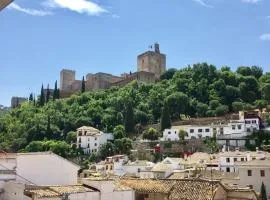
(198, 91)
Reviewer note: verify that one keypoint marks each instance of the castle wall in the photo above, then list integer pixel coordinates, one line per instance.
(152, 62)
(100, 81)
(67, 77)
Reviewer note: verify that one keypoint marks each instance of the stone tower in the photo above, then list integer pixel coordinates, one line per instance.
(67, 77)
(152, 61)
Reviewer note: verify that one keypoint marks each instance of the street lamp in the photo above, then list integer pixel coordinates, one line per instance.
(4, 3)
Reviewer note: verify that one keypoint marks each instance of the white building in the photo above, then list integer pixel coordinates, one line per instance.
(42, 168)
(91, 139)
(110, 189)
(228, 159)
(192, 131)
(253, 173)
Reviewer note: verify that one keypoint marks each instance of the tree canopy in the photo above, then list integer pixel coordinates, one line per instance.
(199, 90)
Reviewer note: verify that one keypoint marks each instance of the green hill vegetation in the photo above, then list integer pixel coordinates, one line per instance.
(200, 90)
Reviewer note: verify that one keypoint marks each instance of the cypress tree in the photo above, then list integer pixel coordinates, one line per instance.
(48, 94)
(31, 98)
(165, 121)
(263, 192)
(34, 100)
(42, 97)
(129, 118)
(55, 91)
(83, 85)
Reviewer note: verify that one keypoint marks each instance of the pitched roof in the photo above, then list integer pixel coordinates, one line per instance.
(55, 191)
(161, 167)
(175, 189)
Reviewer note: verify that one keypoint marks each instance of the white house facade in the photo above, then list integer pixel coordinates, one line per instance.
(41, 168)
(91, 139)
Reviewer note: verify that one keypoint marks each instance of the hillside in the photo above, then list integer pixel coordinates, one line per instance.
(198, 91)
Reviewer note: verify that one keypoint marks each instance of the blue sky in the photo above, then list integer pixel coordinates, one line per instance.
(40, 37)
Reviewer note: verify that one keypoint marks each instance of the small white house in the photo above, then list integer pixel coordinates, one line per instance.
(91, 139)
(192, 131)
(170, 135)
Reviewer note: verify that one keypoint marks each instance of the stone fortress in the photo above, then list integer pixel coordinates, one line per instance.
(150, 66)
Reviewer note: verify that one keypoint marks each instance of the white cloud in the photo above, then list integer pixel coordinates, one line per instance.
(202, 2)
(251, 1)
(265, 36)
(80, 6)
(29, 11)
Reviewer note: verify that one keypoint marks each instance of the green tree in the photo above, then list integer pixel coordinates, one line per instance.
(182, 134)
(119, 132)
(222, 110)
(266, 91)
(263, 192)
(35, 146)
(256, 71)
(56, 92)
(31, 98)
(244, 71)
(123, 145)
(201, 109)
(71, 137)
(42, 97)
(106, 150)
(150, 134)
(168, 74)
(165, 120)
(261, 104)
(48, 94)
(83, 85)
(237, 106)
(129, 118)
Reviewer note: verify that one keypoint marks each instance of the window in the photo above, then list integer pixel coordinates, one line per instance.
(80, 140)
(242, 159)
(253, 158)
(248, 129)
(239, 127)
(85, 132)
(253, 121)
(200, 130)
(95, 138)
(262, 173)
(111, 167)
(88, 145)
(80, 133)
(233, 127)
(227, 160)
(247, 122)
(249, 172)
(228, 169)
(95, 144)
(234, 159)
(191, 130)
(207, 130)
(106, 167)
(169, 132)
